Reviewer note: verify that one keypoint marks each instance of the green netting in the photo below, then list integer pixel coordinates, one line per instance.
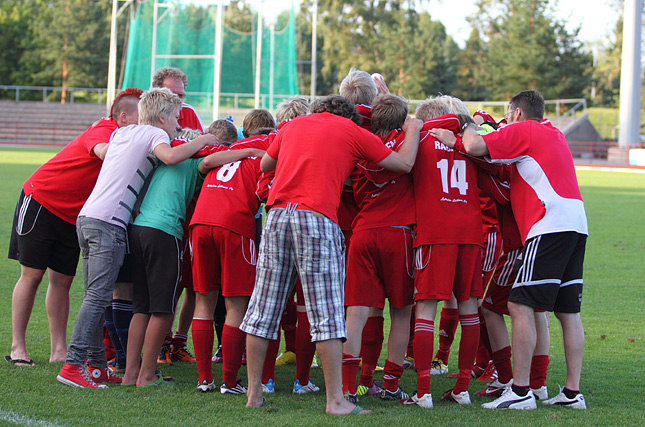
(185, 29)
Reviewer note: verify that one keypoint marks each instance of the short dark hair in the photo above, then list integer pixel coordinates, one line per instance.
(465, 118)
(530, 102)
(336, 104)
(224, 130)
(388, 112)
(256, 119)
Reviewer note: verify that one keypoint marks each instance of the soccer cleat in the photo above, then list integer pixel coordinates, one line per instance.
(378, 369)
(182, 355)
(394, 395)
(540, 393)
(510, 400)
(77, 376)
(303, 389)
(462, 398)
(495, 389)
(217, 358)
(164, 356)
(363, 390)
(424, 401)
(206, 387)
(487, 374)
(408, 362)
(351, 398)
(438, 367)
(238, 389)
(578, 402)
(286, 358)
(269, 387)
(103, 375)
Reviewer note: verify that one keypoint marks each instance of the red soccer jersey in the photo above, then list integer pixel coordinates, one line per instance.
(544, 190)
(383, 203)
(228, 198)
(188, 118)
(365, 111)
(315, 154)
(63, 184)
(446, 193)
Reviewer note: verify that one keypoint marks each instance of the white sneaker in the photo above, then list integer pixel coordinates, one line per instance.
(269, 387)
(238, 389)
(510, 400)
(205, 386)
(424, 401)
(495, 389)
(578, 402)
(462, 398)
(540, 393)
(303, 389)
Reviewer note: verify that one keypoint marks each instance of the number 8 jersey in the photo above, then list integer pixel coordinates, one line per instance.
(445, 191)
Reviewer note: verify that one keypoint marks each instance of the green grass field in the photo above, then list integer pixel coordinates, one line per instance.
(613, 313)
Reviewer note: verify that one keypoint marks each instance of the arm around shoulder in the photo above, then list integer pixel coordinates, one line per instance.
(100, 149)
(403, 160)
(473, 142)
(173, 155)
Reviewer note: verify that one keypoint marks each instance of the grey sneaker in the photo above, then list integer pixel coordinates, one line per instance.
(394, 395)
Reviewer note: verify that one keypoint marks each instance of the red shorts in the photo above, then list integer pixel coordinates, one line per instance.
(491, 253)
(222, 259)
(380, 266)
(442, 270)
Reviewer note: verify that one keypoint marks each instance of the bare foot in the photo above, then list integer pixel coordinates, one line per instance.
(255, 402)
(345, 408)
(57, 358)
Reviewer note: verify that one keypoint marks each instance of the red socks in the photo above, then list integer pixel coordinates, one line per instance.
(305, 349)
(423, 346)
(179, 341)
(467, 350)
(289, 318)
(372, 342)
(539, 365)
(268, 370)
(350, 368)
(502, 361)
(233, 340)
(391, 376)
(203, 337)
(447, 328)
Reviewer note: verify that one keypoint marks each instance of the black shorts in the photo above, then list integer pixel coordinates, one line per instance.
(550, 277)
(156, 270)
(41, 240)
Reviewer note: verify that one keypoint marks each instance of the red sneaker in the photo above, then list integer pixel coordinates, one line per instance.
(103, 375)
(77, 376)
(489, 374)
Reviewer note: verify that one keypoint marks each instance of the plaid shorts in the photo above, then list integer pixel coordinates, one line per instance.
(307, 244)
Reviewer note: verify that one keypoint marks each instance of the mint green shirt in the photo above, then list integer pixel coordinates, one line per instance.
(171, 190)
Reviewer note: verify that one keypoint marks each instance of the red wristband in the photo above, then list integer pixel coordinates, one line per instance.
(459, 145)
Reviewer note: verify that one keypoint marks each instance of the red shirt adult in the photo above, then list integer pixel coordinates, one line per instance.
(188, 118)
(446, 192)
(63, 184)
(385, 198)
(544, 192)
(315, 155)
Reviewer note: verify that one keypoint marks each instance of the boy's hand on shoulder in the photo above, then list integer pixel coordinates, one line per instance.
(412, 125)
(206, 139)
(256, 152)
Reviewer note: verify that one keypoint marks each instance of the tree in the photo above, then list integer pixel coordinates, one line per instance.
(15, 36)
(470, 73)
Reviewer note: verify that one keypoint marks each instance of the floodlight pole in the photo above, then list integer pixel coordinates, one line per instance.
(314, 43)
(258, 57)
(271, 66)
(111, 83)
(217, 74)
(630, 75)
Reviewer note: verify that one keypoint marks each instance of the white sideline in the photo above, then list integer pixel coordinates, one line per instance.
(606, 168)
(22, 420)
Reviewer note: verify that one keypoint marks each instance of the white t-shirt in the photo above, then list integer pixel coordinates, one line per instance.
(129, 160)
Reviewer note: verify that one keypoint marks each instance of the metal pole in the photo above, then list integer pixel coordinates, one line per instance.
(258, 57)
(271, 66)
(154, 41)
(217, 74)
(111, 83)
(630, 76)
(314, 47)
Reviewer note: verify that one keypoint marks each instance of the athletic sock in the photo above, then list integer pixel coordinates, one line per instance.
(289, 319)
(467, 350)
(122, 313)
(570, 393)
(350, 369)
(203, 338)
(179, 341)
(268, 370)
(447, 328)
(484, 352)
(305, 349)
(410, 350)
(423, 346)
(391, 375)
(372, 342)
(502, 361)
(520, 390)
(539, 366)
(233, 340)
(119, 354)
